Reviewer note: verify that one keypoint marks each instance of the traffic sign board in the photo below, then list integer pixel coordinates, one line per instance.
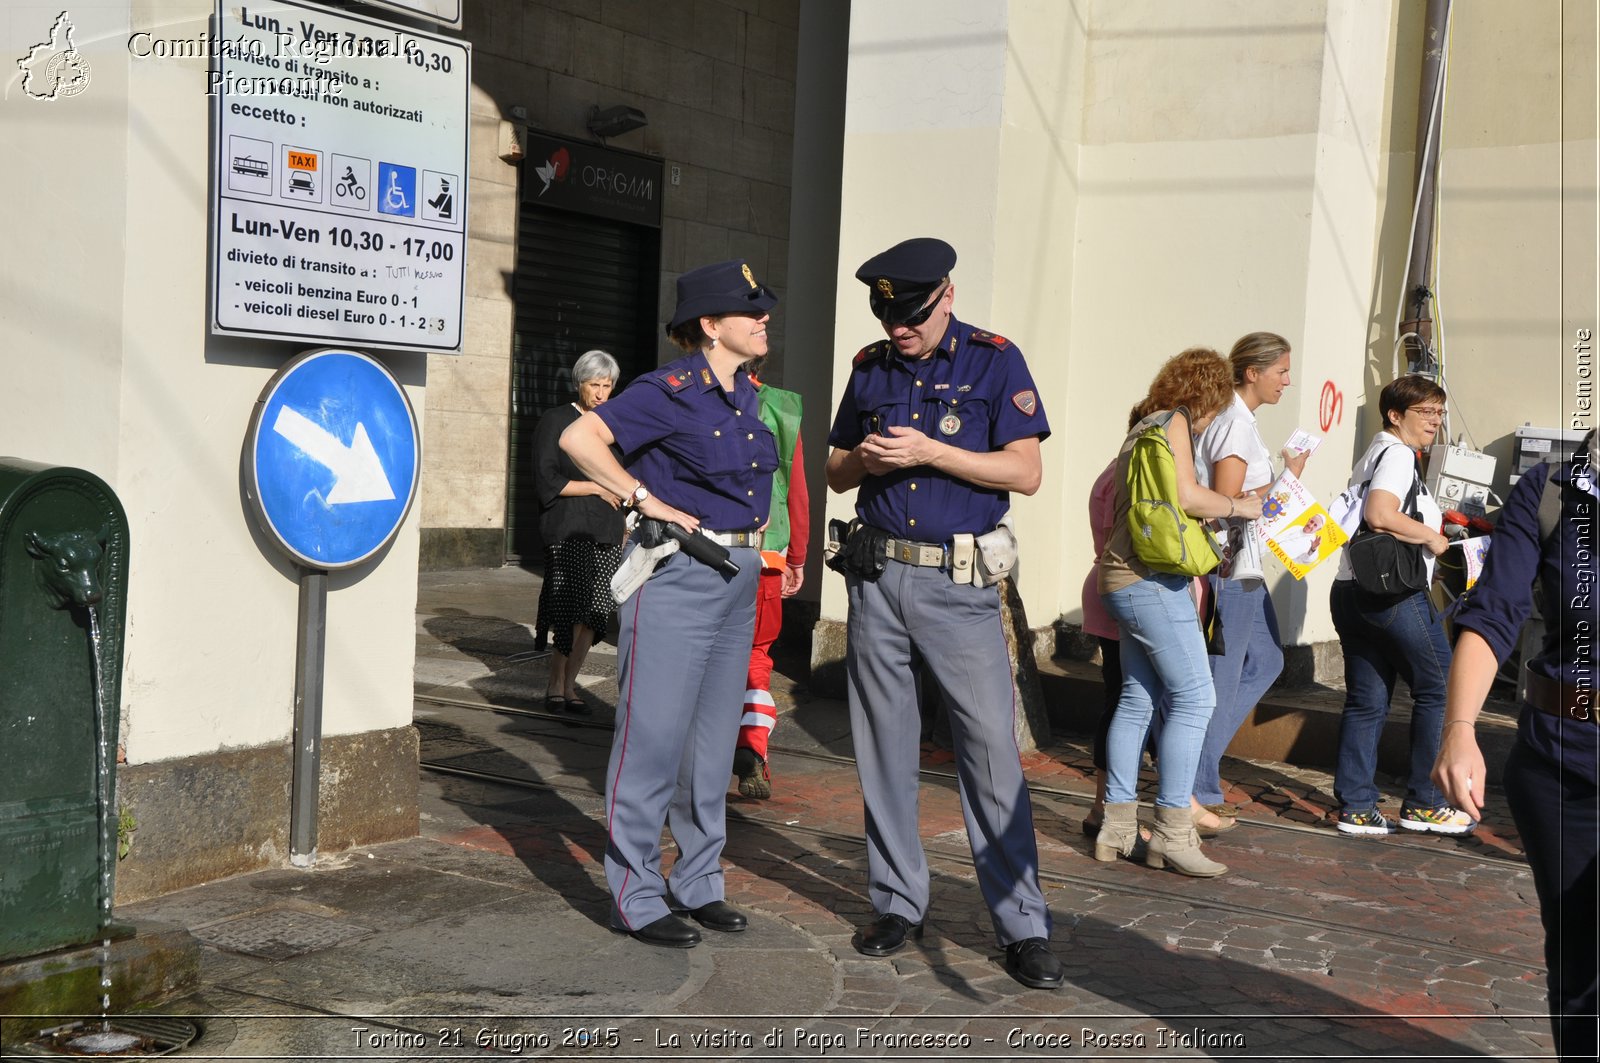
(334, 456)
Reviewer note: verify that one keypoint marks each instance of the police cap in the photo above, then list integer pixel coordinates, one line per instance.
(901, 278)
(720, 288)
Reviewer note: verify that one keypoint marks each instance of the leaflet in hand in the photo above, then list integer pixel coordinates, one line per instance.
(1302, 442)
(1296, 529)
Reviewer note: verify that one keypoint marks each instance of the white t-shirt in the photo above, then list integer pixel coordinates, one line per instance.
(1390, 465)
(1234, 435)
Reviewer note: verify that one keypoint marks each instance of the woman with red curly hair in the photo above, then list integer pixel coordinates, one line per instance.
(1163, 648)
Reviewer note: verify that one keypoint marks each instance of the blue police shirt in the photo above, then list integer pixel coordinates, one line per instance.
(695, 446)
(975, 392)
(1500, 602)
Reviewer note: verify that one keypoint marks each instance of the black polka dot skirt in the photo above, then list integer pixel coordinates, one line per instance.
(577, 589)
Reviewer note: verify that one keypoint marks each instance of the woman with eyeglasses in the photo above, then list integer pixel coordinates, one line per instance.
(1384, 639)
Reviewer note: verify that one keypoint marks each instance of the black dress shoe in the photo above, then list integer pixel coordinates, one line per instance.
(1031, 962)
(721, 916)
(668, 932)
(886, 936)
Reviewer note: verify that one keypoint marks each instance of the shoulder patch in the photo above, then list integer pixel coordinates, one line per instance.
(676, 379)
(990, 339)
(870, 351)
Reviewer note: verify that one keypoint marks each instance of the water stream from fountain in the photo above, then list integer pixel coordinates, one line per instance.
(105, 1040)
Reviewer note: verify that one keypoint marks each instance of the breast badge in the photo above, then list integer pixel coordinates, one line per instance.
(950, 424)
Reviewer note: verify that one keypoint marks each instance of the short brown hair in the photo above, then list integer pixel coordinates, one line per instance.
(1198, 378)
(689, 336)
(1402, 393)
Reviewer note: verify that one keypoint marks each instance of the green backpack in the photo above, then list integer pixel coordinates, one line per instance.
(1165, 537)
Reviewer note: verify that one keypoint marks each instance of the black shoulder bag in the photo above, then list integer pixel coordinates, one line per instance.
(1385, 568)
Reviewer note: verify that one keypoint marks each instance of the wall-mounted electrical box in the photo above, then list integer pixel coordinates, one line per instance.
(1460, 479)
(1536, 445)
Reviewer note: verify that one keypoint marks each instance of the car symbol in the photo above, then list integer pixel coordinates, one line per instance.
(300, 181)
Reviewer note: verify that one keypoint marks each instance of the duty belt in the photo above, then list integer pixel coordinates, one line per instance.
(922, 555)
(1561, 699)
(734, 538)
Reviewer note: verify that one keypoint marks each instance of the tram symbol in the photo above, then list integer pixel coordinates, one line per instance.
(249, 165)
(397, 189)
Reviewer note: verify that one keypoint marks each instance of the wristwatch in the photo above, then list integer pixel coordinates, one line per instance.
(638, 495)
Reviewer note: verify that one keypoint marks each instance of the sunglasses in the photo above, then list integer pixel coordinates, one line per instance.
(917, 318)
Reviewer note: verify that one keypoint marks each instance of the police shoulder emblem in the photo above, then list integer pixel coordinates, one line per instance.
(870, 351)
(748, 276)
(1025, 401)
(677, 380)
(990, 339)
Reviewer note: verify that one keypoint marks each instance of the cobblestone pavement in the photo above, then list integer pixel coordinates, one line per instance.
(487, 935)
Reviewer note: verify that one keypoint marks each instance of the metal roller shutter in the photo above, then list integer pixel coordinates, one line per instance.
(581, 282)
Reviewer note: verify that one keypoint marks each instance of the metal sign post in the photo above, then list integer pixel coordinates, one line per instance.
(333, 458)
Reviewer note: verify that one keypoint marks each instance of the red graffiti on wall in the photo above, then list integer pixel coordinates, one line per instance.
(1330, 410)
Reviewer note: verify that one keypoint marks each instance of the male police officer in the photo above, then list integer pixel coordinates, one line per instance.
(937, 425)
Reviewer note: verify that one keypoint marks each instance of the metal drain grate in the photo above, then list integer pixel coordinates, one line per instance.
(120, 1037)
(279, 934)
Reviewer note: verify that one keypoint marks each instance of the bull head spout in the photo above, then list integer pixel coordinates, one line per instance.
(69, 566)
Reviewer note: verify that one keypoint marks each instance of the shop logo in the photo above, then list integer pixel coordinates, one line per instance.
(554, 169)
(54, 69)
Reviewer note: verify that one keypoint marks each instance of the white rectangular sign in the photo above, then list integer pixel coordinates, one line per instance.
(340, 161)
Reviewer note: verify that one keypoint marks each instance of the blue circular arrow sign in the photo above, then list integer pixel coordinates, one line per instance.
(334, 455)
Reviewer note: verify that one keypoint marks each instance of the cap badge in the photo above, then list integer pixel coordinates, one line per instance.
(748, 276)
(950, 424)
(885, 287)
(1025, 401)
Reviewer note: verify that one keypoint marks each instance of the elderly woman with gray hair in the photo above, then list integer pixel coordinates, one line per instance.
(582, 526)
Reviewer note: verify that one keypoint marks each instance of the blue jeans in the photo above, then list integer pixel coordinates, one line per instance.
(1163, 653)
(1380, 643)
(1241, 676)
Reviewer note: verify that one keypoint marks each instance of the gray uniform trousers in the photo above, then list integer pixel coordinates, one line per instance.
(915, 613)
(683, 652)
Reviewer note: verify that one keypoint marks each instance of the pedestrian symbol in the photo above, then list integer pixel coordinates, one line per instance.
(397, 189)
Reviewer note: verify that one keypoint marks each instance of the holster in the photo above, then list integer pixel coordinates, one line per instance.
(860, 551)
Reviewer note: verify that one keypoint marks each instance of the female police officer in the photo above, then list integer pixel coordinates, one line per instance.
(699, 458)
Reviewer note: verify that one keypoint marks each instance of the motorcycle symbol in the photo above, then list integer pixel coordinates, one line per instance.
(349, 186)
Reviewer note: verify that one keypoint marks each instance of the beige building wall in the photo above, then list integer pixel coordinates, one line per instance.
(716, 80)
(110, 367)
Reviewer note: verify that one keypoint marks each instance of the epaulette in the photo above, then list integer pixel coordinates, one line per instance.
(989, 339)
(871, 351)
(676, 379)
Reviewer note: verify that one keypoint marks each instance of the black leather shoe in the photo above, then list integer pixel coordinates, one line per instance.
(668, 932)
(720, 916)
(886, 936)
(1031, 962)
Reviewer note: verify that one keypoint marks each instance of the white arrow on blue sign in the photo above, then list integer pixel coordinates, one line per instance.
(334, 457)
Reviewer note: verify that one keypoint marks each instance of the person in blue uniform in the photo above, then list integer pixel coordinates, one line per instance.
(938, 424)
(1545, 538)
(698, 457)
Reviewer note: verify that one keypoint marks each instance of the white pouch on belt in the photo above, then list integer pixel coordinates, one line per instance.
(996, 554)
(962, 549)
(637, 567)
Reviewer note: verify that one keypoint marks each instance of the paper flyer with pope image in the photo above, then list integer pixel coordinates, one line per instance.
(1295, 528)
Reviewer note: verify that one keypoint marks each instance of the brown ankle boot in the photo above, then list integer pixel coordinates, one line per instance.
(1177, 843)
